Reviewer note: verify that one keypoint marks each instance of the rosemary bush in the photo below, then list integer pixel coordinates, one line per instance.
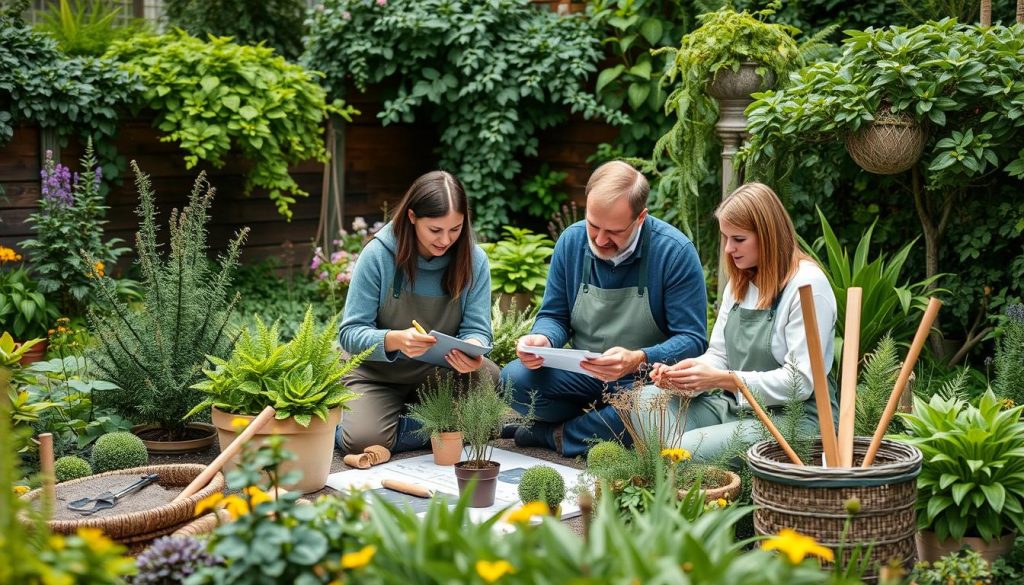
(437, 410)
(508, 327)
(482, 412)
(156, 353)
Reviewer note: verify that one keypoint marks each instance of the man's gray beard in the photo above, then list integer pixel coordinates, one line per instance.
(608, 257)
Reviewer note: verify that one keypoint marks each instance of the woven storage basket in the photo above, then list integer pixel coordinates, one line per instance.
(812, 500)
(891, 144)
(147, 525)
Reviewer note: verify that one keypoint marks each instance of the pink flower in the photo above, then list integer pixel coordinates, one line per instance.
(382, 2)
(346, 15)
(323, 275)
(315, 263)
(337, 256)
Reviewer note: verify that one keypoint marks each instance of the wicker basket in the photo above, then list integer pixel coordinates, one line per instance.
(145, 526)
(812, 500)
(891, 144)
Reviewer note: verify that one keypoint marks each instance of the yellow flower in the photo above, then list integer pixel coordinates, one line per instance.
(20, 490)
(95, 539)
(238, 423)
(257, 496)
(359, 559)
(722, 502)
(208, 503)
(9, 255)
(236, 506)
(492, 571)
(796, 546)
(98, 270)
(675, 455)
(1008, 403)
(528, 511)
(56, 542)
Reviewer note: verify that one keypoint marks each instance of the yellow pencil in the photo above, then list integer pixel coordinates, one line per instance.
(418, 327)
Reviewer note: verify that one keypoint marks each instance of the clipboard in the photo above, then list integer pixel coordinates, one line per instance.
(445, 344)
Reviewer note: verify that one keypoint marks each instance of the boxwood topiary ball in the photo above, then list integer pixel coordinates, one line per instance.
(71, 467)
(542, 484)
(118, 451)
(604, 455)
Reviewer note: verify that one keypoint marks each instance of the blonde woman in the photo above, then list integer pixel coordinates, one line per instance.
(758, 335)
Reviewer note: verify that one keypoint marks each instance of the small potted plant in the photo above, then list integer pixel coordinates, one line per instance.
(482, 412)
(541, 483)
(154, 352)
(971, 486)
(519, 266)
(438, 416)
(25, 311)
(301, 379)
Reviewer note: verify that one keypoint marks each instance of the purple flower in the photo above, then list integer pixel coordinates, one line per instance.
(56, 182)
(97, 176)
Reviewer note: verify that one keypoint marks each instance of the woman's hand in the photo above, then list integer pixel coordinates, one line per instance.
(408, 341)
(692, 377)
(461, 362)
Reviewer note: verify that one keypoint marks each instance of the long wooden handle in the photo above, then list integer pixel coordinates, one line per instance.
(821, 394)
(848, 389)
(211, 470)
(46, 467)
(920, 337)
(767, 422)
(406, 488)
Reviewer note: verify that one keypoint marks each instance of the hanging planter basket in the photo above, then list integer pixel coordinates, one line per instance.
(893, 143)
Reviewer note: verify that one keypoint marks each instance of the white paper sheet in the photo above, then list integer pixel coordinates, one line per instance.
(422, 471)
(444, 346)
(562, 359)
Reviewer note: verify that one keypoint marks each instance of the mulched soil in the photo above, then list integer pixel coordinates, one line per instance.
(147, 498)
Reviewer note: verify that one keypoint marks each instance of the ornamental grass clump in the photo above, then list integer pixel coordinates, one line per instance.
(155, 351)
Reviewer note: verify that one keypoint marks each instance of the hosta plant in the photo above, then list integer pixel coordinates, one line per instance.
(300, 378)
(519, 261)
(972, 478)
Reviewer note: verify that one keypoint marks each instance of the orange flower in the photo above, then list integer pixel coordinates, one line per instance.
(98, 270)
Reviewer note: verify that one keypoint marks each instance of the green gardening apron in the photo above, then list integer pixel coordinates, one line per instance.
(603, 318)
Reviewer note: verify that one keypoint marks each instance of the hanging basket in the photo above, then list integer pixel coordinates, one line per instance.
(812, 500)
(891, 144)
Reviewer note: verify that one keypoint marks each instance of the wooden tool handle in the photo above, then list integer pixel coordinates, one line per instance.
(767, 422)
(848, 389)
(406, 488)
(909, 362)
(211, 470)
(46, 467)
(818, 373)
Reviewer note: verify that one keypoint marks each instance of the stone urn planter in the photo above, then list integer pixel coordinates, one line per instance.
(738, 85)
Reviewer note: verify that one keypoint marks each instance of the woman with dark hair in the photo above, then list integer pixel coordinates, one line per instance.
(425, 266)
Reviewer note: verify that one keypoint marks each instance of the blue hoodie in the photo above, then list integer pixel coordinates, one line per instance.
(371, 282)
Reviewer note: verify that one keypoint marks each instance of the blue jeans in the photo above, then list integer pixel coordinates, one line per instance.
(564, 398)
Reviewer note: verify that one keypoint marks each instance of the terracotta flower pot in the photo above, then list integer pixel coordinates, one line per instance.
(486, 482)
(36, 353)
(930, 548)
(447, 448)
(728, 488)
(204, 434)
(312, 446)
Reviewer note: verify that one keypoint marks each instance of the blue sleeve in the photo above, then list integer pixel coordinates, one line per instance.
(556, 308)
(476, 311)
(359, 329)
(686, 301)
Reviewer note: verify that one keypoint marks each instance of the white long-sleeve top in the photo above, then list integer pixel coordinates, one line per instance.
(789, 340)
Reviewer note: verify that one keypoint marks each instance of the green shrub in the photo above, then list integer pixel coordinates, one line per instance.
(71, 467)
(519, 261)
(541, 483)
(964, 567)
(88, 27)
(275, 23)
(119, 450)
(1009, 362)
(605, 455)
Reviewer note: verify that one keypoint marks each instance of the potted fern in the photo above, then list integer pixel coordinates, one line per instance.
(301, 379)
(482, 412)
(154, 351)
(438, 416)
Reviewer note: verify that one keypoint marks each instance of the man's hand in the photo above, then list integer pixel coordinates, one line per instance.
(614, 363)
(461, 362)
(408, 341)
(531, 361)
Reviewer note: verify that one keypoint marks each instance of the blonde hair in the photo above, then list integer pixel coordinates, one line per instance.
(754, 207)
(613, 180)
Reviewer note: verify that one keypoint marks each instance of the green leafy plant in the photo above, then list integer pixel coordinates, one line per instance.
(214, 96)
(541, 483)
(519, 261)
(725, 40)
(119, 450)
(541, 195)
(88, 27)
(507, 327)
(438, 408)
(490, 75)
(1009, 360)
(964, 567)
(69, 252)
(11, 351)
(24, 309)
(274, 286)
(483, 410)
(972, 477)
(154, 351)
(276, 23)
(886, 304)
(71, 467)
(301, 378)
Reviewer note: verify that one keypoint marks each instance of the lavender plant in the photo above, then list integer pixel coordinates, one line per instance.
(171, 560)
